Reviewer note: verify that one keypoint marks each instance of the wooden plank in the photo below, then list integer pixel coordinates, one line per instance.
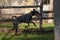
(48, 18)
(41, 12)
(48, 11)
(4, 7)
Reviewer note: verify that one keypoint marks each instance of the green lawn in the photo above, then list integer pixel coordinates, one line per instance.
(27, 36)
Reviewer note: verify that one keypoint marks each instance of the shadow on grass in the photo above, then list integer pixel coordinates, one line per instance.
(37, 30)
(29, 36)
(7, 38)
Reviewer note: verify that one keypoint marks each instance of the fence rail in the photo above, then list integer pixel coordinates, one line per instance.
(48, 11)
(4, 7)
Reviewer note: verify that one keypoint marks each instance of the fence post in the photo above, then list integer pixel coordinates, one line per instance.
(57, 19)
(41, 11)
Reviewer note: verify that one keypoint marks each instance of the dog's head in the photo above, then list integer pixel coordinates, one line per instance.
(34, 12)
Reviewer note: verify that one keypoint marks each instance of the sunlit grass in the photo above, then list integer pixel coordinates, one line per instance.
(22, 25)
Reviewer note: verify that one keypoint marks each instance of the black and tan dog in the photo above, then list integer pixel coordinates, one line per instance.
(24, 19)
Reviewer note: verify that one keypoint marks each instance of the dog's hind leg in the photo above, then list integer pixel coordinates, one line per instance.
(34, 24)
(27, 25)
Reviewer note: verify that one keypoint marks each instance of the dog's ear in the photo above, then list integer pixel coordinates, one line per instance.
(34, 10)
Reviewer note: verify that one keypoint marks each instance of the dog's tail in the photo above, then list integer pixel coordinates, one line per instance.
(14, 17)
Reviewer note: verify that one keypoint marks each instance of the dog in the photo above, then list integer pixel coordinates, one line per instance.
(24, 19)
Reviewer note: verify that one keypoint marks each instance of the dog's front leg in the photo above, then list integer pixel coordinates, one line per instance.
(34, 24)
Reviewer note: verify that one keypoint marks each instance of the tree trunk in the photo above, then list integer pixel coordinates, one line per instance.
(57, 19)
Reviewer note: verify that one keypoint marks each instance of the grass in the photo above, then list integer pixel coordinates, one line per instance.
(22, 25)
(27, 36)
